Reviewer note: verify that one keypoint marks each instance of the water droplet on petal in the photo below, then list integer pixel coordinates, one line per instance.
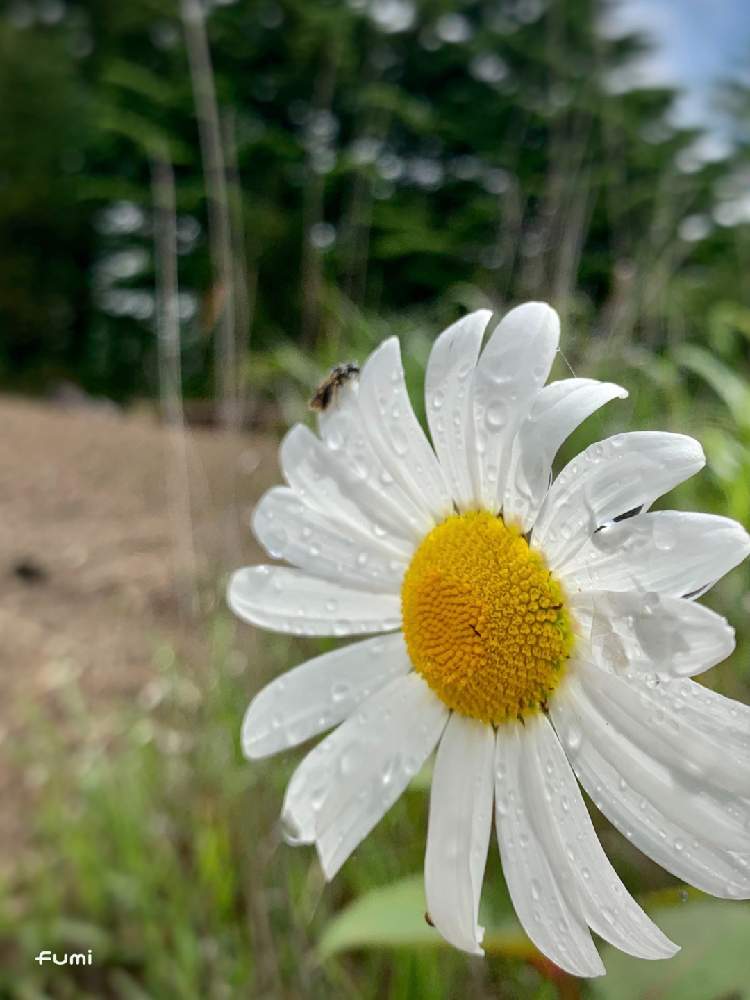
(400, 443)
(573, 738)
(290, 831)
(334, 440)
(496, 415)
(339, 691)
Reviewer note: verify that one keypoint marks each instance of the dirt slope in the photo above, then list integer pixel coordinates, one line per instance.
(90, 571)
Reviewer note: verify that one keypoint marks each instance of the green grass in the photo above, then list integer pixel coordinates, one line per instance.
(163, 855)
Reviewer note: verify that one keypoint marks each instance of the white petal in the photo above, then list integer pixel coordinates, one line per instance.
(458, 834)
(288, 600)
(513, 366)
(647, 739)
(669, 551)
(320, 693)
(710, 711)
(557, 929)
(651, 634)
(352, 778)
(395, 433)
(367, 481)
(289, 529)
(555, 413)
(647, 715)
(320, 478)
(448, 401)
(675, 826)
(606, 480)
(562, 823)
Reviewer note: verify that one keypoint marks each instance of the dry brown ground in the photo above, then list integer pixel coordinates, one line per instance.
(90, 573)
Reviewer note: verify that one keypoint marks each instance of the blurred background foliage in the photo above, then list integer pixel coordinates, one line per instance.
(389, 164)
(389, 157)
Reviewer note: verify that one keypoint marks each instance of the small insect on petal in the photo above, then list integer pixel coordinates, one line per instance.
(337, 378)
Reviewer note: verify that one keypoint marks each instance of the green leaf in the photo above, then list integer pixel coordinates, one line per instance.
(422, 780)
(394, 917)
(729, 386)
(713, 962)
(385, 917)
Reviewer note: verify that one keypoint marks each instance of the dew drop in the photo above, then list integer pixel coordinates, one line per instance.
(389, 771)
(400, 443)
(276, 542)
(318, 797)
(664, 535)
(339, 691)
(334, 440)
(573, 738)
(496, 416)
(290, 831)
(347, 762)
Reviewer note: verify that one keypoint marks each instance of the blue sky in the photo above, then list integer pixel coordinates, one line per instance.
(696, 42)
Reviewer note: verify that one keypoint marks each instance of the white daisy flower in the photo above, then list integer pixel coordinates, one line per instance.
(535, 634)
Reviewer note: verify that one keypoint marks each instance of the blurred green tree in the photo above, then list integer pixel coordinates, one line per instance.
(390, 155)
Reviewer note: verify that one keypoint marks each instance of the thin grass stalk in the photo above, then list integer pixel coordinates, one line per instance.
(170, 380)
(245, 282)
(219, 227)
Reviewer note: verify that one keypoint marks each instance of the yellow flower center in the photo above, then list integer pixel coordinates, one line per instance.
(484, 619)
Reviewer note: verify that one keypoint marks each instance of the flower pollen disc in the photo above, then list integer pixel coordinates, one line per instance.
(484, 619)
